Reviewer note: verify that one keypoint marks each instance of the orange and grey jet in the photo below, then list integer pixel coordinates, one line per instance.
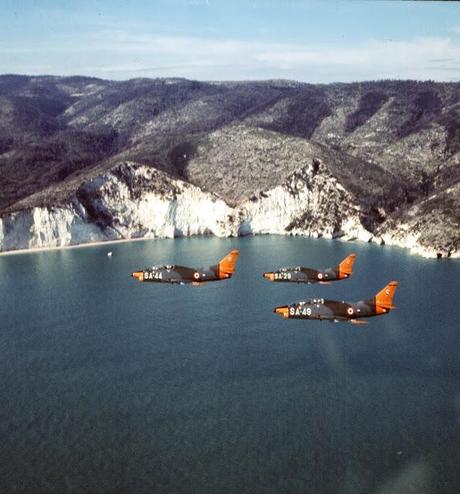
(335, 311)
(300, 274)
(182, 274)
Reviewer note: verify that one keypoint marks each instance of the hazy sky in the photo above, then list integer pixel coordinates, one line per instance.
(316, 41)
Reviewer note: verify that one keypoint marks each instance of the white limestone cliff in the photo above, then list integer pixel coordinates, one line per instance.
(135, 201)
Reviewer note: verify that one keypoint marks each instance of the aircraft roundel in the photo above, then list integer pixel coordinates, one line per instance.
(350, 311)
(320, 276)
(196, 275)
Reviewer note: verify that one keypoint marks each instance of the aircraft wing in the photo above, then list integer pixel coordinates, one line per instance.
(359, 322)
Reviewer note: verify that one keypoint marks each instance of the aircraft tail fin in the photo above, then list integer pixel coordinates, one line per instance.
(384, 299)
(345, 268)
(227, 265)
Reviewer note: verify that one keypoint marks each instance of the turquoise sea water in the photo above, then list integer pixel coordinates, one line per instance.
(111, 385)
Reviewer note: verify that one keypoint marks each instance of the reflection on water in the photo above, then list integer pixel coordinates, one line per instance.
(113, 385)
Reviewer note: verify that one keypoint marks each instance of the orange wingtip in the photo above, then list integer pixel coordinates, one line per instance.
(227, 265)
(384, 299)
(269, 276)
(139, 275)
(345, 268)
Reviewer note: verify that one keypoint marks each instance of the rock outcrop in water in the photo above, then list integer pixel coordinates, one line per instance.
(86, 160)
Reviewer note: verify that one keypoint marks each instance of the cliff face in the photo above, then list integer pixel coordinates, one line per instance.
(84, 159)
(430, 227)
(132, 201)
(49, 227)
(135, 201)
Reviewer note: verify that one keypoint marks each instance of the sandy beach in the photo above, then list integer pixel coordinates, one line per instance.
(33, 250)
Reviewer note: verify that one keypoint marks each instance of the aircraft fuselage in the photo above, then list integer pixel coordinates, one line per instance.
(177, 274)
(327, 310)
(304, 275)
(169, 273)
(301, 274)
(334, 310)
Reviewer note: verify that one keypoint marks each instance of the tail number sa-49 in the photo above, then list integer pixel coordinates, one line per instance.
(300, 311)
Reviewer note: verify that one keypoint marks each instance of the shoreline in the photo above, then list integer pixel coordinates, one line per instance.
(414, 251)
(34, 250)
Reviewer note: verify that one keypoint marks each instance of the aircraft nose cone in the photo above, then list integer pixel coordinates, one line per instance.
(269, 276)
(139, 275)
(282, 311)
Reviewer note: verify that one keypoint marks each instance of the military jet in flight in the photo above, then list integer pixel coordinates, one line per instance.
(182, 274)
(335, 311)
(300, 274)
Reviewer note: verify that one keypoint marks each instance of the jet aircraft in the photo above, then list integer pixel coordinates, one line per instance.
(182, 274)
(300, 274)
(336, 311)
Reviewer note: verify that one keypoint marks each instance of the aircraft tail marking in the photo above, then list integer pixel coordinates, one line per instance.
(227, 265)
(345, 268)
(384, 299)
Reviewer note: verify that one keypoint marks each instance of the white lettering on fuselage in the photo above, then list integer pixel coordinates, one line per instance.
(153, 275)
(283, 276)
(299, 311)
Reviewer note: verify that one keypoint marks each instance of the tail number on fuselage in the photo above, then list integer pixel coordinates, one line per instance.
(283, 276)
(299, 311)
(153, 275)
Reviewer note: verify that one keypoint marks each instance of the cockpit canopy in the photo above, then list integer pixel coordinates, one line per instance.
(159, 268)
(312, 301)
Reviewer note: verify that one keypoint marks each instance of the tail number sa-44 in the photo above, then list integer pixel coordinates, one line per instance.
(153, 275)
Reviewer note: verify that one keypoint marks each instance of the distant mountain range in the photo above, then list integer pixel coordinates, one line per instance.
(85, 159)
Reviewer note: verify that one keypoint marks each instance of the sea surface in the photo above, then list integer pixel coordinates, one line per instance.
(110, 385)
